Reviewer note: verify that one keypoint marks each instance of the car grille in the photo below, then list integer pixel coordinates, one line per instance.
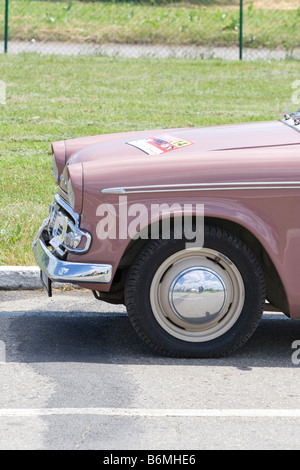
(63, 229)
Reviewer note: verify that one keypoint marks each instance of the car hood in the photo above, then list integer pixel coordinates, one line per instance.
(116, 147)
(264, 150)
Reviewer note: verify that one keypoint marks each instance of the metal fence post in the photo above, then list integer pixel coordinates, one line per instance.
(6, 26)
(241, 30)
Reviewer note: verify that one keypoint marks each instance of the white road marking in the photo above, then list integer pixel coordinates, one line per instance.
(157, 412)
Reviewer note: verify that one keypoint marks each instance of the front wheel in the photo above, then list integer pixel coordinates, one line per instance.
(195, 302)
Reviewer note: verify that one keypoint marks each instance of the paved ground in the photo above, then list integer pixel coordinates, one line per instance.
(136, 51)
(74, 375)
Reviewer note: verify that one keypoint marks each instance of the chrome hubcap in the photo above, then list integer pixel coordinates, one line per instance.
(197, 294)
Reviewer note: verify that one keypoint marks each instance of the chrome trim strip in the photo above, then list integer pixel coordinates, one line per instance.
(64, 271)
(202, 187)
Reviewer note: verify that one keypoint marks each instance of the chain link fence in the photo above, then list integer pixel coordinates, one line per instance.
(229, 29)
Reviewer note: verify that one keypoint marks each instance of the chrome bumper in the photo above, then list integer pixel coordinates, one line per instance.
(64, 271)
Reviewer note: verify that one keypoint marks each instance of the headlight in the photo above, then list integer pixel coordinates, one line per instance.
(71, 195)
(54, 169)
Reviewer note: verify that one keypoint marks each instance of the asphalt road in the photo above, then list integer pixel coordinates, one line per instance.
(74, 375)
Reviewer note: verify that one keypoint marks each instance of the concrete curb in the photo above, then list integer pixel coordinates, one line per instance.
(143, 50)
(23, 278)
(20, 278)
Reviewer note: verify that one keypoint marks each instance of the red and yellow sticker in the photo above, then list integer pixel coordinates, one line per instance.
(159, 144)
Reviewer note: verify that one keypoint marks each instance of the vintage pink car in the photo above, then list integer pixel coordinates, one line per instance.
(192, 229)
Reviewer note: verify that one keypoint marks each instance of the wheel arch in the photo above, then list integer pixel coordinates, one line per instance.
(276, 294)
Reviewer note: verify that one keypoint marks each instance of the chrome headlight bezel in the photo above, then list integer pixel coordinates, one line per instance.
(71, 194)
(74, 189)
(54, 168)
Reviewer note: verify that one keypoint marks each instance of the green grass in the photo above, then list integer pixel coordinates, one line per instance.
(53, 98)
(203, 22)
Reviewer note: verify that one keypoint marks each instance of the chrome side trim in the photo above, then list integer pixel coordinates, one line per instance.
(64, 271)
(202, 187)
